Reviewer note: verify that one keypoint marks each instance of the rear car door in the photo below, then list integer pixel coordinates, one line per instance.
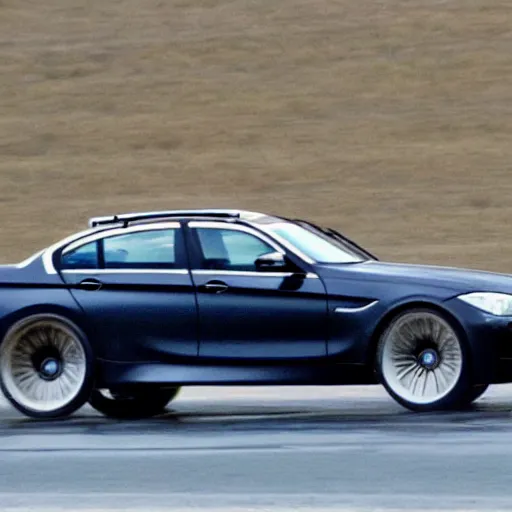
(249, 314)
(136, 290)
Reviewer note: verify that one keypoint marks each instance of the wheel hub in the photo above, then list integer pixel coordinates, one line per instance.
(50, 368)
(429, 359)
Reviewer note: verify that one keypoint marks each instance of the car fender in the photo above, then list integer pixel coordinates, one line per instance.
(480, 358)
(19, 302)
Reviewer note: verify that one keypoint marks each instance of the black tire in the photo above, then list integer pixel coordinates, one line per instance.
(136, 404)
(475, 392)
(423, 361)
(46, 349)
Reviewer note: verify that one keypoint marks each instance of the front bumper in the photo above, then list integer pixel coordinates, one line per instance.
(490, 342)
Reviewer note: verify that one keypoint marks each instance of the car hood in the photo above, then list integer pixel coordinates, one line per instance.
(457, 279)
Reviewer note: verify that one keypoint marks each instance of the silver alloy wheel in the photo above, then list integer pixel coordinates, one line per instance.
(421, 357)
(42, 364)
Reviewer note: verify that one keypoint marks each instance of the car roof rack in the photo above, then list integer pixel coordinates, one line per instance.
(126, 218)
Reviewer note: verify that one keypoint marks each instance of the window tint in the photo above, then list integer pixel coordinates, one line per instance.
(85, 256)
(144, 249)
(226, 249)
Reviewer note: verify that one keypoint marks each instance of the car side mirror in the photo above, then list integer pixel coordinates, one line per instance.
(271, 261)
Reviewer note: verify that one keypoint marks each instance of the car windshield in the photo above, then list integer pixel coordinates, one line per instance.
(315, 244)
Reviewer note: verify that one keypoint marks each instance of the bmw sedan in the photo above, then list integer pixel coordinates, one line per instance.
(124, 314)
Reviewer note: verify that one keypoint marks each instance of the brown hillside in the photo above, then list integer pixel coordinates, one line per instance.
(389, 119)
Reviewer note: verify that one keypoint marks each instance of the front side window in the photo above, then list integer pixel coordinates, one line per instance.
(227, 249)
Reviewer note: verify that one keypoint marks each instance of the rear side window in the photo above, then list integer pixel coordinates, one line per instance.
(85, 256)
(144, 249)
(139, 250)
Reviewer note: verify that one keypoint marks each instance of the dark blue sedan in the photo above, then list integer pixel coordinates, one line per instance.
(124, 314)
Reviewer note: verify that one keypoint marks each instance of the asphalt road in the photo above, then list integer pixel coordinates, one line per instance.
(280, 448)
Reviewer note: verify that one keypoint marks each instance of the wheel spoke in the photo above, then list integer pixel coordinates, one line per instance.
(449, 367)
(425, 384)
(406, 371)
(416, 378)
(405, 339)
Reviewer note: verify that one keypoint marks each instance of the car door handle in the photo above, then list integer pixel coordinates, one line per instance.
(90, 285)
(215, 287)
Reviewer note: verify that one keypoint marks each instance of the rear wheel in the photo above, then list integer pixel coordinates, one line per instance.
(132, 404)
(423, 362)
(46, 368)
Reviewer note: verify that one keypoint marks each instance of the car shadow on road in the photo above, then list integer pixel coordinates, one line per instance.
(328, 416)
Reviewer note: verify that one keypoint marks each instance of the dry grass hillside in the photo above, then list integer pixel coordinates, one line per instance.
(389, 119)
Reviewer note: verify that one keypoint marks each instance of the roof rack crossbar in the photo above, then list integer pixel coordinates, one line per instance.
(126, 218)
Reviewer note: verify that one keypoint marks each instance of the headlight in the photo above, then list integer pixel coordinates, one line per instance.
(499, 304)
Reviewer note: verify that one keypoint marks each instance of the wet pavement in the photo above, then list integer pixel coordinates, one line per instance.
(281, 448)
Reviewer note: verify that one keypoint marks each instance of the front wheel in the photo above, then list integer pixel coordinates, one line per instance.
(423, 362)
(46, 366)
(136, 404)
(476, 391)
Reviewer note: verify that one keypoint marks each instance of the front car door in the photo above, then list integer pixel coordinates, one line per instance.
(245, 313)
(136, 290)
